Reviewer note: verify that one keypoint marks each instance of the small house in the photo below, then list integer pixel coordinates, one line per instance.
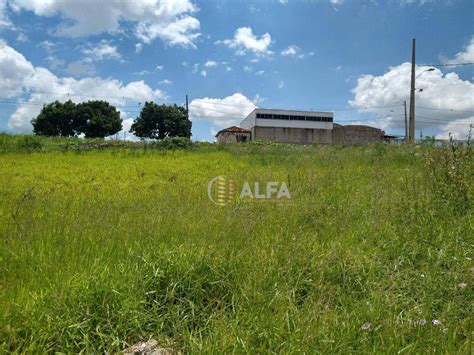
(233, 135)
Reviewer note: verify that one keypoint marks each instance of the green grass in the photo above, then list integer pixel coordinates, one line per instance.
(105, 248)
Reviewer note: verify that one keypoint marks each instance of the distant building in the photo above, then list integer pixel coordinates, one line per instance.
(289, 126)
(300, 127)
(233, 135)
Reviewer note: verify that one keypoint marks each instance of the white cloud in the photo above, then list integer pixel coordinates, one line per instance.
(247, 69)
(290, 51)
(169, 20)
(159, 67)
(54, 62)
(203, 73)
(225, 112)
(80, 68)
(466, 56)
(180, 32)
(295, 51)
(165, 82)
(48, 46)
(336, 2)
(458, 129)
(14, 71)
(100, 52)
(210, 63)
(18, 76)
(22, 37)
(445, 98)
(138, 48)
(4, 21)
(260, 72)
(244, 40)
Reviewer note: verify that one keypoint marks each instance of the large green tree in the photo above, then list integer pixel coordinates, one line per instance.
(56, 119)
(161, 121)
(97, 119)
(94, 119)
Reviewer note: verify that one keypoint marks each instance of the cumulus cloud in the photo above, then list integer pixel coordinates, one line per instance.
(180, 32)
(458, 129)
(445, 102)
(229, 111)
(169, 20)
(244, 40)
(100, 52)
(19, 77)
(466, 56)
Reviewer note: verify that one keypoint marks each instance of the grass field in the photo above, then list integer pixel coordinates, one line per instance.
(102, 248)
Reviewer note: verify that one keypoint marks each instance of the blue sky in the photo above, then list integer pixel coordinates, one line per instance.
(229, 56)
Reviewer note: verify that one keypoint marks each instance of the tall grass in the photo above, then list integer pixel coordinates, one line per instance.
(104, 248)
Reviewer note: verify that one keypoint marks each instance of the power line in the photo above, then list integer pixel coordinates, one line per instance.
(444, 65)
(134, 110)
(441, 109)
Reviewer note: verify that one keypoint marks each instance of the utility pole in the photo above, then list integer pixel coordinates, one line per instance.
(187, 116)
(411, 133)
(406, 121)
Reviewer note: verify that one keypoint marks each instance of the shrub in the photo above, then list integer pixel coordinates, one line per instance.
(172, 143)
(451, 172)
(29, 143)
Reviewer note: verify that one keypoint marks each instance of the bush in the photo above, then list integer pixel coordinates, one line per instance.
(172, 143)
(451, 172)
(29, 143)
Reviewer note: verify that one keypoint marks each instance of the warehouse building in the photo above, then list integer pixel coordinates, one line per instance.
(298, 127)
(289, 126)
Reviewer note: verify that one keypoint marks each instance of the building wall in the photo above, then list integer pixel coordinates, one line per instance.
(251, 120)
(262, 122)
(292, 135)
(356, 135)
(232, 137)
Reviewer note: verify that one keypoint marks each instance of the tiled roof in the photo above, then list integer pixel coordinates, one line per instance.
(233, 129)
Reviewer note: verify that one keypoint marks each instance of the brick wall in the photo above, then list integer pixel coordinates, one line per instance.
(356, 135)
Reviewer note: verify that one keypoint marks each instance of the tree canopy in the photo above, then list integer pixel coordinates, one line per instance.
(98, 119)
(94, 119)
(56, 119)
(161, 121)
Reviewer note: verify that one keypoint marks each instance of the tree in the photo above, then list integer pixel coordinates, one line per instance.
(56, 119)
(97, 119)
(161, 121)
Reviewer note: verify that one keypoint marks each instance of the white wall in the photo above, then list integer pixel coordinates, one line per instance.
(262, 122)
(251, 120)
